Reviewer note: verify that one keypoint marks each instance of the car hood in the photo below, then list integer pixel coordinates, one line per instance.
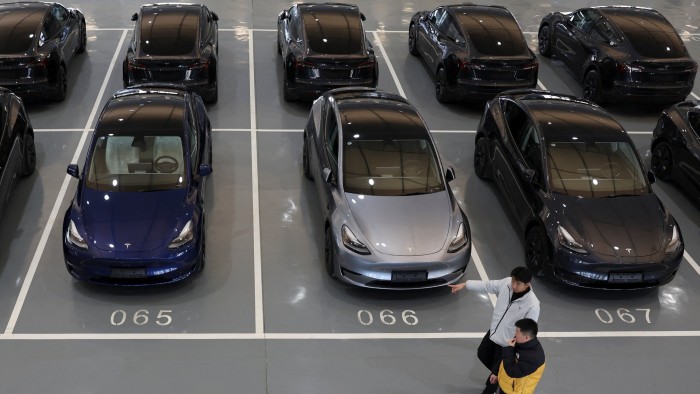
(133, 221)
(625, 226)
(403, 225)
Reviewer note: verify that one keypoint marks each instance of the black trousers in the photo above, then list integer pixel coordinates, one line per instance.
(490, 354)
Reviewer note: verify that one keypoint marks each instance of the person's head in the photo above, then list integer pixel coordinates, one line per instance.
(520, 279)
(525, 330)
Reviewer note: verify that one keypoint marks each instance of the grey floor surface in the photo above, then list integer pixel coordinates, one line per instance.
(264, 317)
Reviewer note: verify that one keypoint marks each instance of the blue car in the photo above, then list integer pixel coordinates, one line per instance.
(137, 217)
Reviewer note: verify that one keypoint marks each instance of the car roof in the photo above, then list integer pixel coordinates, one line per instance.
(367, 114)
(169, 7)
(154, 110)
(22, 5)
(625, 10)
(335, 7)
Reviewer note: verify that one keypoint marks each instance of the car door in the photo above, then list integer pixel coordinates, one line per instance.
(689, 153)
(210, 31)
(9, 153)
(572, 38)
(194, 153)
(66, 37)
(429, 35)
(329, 157)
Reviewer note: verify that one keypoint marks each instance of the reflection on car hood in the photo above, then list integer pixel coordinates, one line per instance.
(133, 222)
(630, 226)
(403, 225)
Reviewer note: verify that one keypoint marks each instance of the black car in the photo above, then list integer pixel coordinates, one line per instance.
(17, 152)
(37, 43)
(675, 147)
(324, 46)
(474, 51)
(620, 53)
(575, 183)
(174, 43)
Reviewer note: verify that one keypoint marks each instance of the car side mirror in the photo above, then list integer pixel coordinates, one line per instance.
(450, 174)
(73, 170)
(362, 16)
(205, 169)
(214, 17)
(327, 176)
(135, 17)
(651, 177)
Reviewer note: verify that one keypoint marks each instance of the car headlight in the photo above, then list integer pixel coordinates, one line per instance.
(186, 235)
(460, 241)
(675, 241)
(567, 240)
(351, 242)
(73, 237)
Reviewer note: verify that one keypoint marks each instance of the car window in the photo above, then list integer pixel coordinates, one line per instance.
(493, 35)
(516, 119)
(60, 13)
(50, 27)
(169, 33)
(19, 37)
(194, 139)
(451, 30)
(530, 147)
(384, 165)
(594, 169)
(584, 20)
(604, 32)
(332, 138)
(650, 34)
(141, 161)
(694, 122)
(295, 24)
(333, 32)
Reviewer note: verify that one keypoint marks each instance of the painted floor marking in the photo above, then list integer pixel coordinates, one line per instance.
(59, 199)
(244, 130)
(388, 63)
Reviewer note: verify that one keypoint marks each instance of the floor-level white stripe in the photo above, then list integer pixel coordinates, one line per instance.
(541, 85)
(337, 336)
(257, 260)
(58, 130)
(482, 272)
(691, 261)
(695, 96)
(242, 130)
(59, 199)
(388, 63)
(238, 130)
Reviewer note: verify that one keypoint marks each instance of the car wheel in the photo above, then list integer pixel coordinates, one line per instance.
(544, 40)
(592, 87)
(413, 41)
(481, 157)
(537, 253)
(61, 88)
(441, 86)
(305, 160)
(29, 151)
(82, 45)
(662, 160)
(329, 253)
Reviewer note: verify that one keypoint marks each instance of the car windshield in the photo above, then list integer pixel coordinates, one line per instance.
(169, 33)
(493, 34)
(390, 167)
(136, 163)
(333, 32)
(18, 29)
(650, 35)
(595, 169)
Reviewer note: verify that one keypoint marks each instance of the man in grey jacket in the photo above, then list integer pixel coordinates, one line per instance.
(515, 300)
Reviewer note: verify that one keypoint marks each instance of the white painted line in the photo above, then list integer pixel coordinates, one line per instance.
(640, 132)
(695, 96)
(244, 130)
(281, 130)
(390, 31)
(482, 272)
(454, 131)
(338, 336)
(57, 130)
(691, 261)
(109, 28)
(257, 261)
(61, 194)
(388, 63)
(274, 30)
(541, 85)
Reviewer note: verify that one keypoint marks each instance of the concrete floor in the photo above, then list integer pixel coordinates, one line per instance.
(264, 317)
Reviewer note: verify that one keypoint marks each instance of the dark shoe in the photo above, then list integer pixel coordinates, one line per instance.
(490, 388)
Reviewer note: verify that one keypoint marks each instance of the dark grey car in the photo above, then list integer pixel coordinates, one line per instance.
(390, 218)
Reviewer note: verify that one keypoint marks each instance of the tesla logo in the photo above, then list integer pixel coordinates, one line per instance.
(629, 250)
(127, 245)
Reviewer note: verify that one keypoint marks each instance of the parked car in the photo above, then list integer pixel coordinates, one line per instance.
(620, 53)
(37, 43)
(675, 147)
(390, 218)
(174, 43)
(574, 181)
(137, 217)
(474, 51)
(324, 46)
(17, 151)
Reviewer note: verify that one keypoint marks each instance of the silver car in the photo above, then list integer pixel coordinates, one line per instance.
(391, 220)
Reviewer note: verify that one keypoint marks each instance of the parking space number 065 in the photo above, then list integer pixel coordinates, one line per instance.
(141, 317)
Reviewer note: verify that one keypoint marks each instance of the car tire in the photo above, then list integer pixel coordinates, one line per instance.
(537, 253)
(592, 87)
(305, 160)
(441, 86)
(544, 41)
(413, 40)
(61, 87)
(82, 45)
(662, 160)
(481, 158)
(29, 153)
(329, 253)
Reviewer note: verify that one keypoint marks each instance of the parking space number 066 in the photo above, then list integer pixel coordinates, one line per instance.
(141, 317)
(387, 317)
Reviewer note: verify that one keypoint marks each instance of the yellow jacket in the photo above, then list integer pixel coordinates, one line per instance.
(521, 368)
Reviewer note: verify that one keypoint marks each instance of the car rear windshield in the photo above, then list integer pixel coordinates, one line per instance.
(332, 32)
(650, 35)
(595, 169)
(18, 29)
(390, 167)
(169, 33)
(137, 163)
(493, 34)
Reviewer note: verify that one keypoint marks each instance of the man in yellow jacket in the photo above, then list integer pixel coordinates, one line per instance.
(523, 360)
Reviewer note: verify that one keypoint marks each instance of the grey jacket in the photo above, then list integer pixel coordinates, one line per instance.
(505, 313)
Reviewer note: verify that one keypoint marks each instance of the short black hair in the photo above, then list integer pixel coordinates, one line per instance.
(521, 274)
(527, 327)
